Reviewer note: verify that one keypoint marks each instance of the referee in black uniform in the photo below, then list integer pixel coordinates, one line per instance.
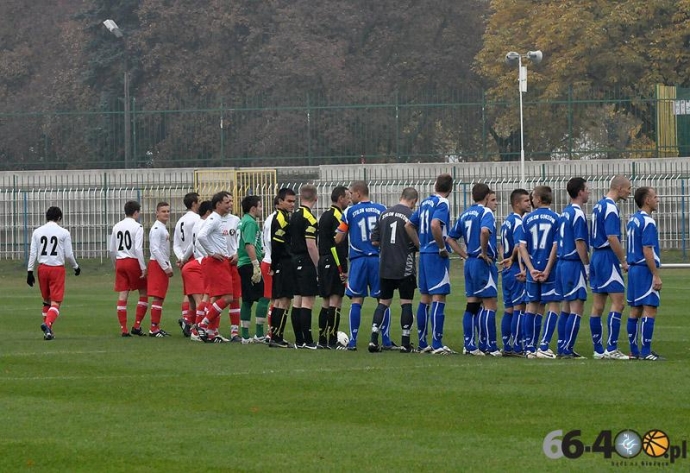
(305, 257)
(331, 282)
(397, 269)
(281, 265)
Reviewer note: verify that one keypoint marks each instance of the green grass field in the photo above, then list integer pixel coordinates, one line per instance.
(92, 401)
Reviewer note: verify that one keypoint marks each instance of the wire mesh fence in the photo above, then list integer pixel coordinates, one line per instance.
(92, 205)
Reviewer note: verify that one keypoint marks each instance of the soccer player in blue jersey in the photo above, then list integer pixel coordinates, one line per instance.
(513, 274)
(573, 266)
(477, 227)
(357, 223)
(538, 247)
(644, 282)
(427, 228)
(605, 274)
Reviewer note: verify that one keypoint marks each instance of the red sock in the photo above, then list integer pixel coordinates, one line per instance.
(51, 315)
(215, 309)
(122, 316)
(185, 313)
(142, 306)
(200, 312)
(44, 311)
(214, 324)
(156, 314)
(234, 317)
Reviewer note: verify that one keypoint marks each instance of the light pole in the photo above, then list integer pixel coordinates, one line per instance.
(115, 30)
(513, 58)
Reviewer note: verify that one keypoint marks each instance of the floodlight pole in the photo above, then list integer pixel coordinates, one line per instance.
(522, 126)
(511, 58)
(117, 32)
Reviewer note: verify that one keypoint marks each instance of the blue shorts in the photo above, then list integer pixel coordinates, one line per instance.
(481, 279)
(546, 291)
(434, 274)
(363, 278)
(572, 280)
(513, 290)
(640, 291)
(605, 275)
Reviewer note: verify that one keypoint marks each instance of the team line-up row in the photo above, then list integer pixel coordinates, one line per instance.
(360, 248)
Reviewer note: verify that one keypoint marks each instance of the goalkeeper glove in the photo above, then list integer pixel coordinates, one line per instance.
(30, 280)
(256, 272)
(77, 271)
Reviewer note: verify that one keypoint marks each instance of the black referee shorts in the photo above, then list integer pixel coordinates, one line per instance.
(305, 273)
(329, 278)
(283, 280)
(405, 286)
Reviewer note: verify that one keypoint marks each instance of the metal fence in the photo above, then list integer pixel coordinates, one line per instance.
(91, 210)
(310, 129)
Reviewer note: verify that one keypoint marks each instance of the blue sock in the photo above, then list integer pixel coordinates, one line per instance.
(647, 332)
(422, 324)
(528, 329)
(562, 322)
(572, 328)
(437, 319)
(537, 328)
(481, 329)
(597, 330)
(516, 329)
(550, 322)
(614, 324)
(355, 319)
(632, 337)
(386, 328)
(506, 333)
(468, 331)
(492, 343)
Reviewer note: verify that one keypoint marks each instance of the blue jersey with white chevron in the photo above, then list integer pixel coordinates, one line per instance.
(433, 207)
(540, 230)
(358, 221)
(642, 232)
(511, 230)
(469, 227)
(573, 227)
(605, 222)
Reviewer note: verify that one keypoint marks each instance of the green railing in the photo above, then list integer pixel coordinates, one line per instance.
(429, 126)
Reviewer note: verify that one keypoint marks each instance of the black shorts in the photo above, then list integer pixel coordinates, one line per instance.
(283, 280)
(405, 286)
(305, 276)
(329, 278)
(250, 292)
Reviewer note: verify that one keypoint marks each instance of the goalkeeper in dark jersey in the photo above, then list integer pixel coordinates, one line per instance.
(397, 268)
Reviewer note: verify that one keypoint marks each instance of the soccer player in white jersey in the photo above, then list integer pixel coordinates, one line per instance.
(182, 242)
(606, 278)
(127, 252)
(196, 286)
(160, 270)
(266, 272)
(644, 282)
(213, 238)
(51, 245)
